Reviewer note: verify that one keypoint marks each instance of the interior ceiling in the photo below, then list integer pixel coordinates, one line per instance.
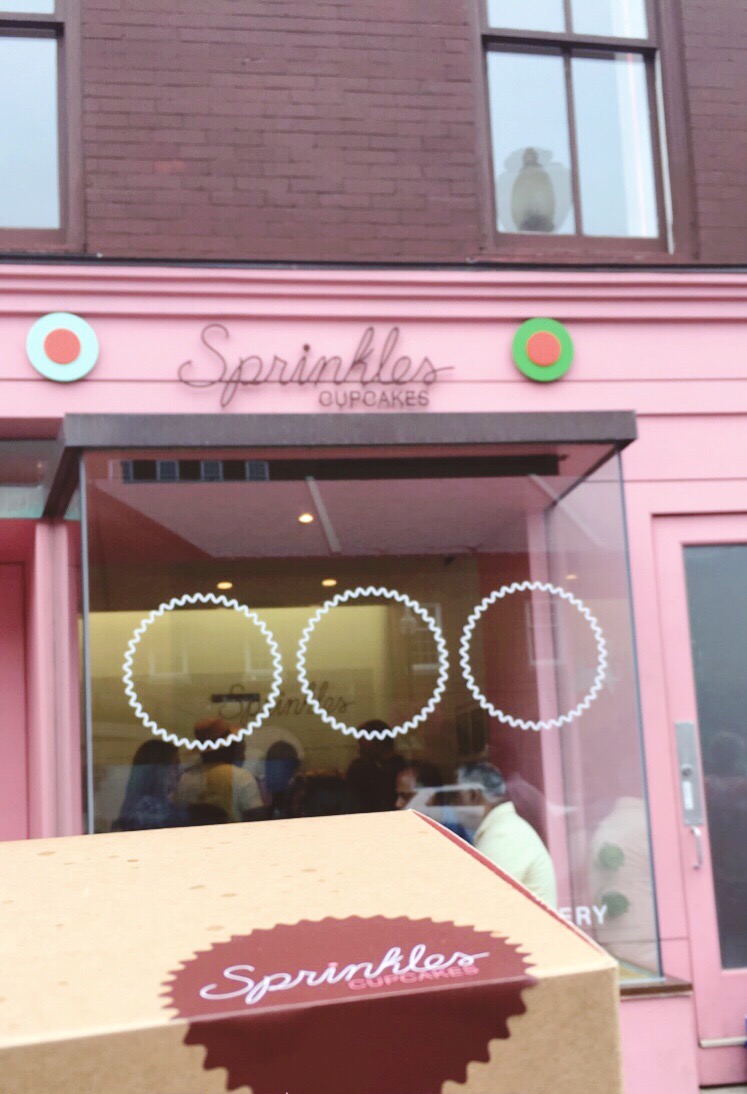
(260, 520)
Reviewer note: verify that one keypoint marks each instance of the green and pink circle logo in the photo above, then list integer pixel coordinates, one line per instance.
(542, 350)
(62, 347)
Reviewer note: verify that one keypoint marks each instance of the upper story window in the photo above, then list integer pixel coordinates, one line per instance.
(39, 100)
(572, 87)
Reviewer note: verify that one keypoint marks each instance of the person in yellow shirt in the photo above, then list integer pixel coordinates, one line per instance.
(501, 834)
(218, 780)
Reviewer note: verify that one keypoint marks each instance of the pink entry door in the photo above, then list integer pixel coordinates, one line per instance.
(702, 576)
(13, 769)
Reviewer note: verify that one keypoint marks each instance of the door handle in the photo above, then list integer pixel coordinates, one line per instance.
(690, 777)
(697, 832)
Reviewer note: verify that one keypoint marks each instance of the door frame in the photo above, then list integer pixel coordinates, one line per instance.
(718, 1060)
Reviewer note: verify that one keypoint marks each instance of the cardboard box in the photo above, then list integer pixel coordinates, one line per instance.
(368, 954)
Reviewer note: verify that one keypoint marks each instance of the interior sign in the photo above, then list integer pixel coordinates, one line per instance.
(376, 376)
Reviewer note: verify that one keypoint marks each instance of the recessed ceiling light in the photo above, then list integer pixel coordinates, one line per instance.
(571, 577)
(224, 585)
(305, 518)
(329, 582)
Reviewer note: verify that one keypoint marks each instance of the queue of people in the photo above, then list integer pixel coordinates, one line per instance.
(218, 788)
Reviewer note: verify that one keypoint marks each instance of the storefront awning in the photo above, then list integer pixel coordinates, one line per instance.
(585, 438)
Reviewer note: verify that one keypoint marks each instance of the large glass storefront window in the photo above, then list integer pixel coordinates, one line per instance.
(276, 636)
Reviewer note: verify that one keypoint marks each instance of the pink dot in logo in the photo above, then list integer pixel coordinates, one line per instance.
(543, 349)
(62, 346)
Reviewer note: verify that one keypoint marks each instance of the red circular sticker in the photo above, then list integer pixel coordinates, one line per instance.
(342, 1005)
(543, 349)
(62, 346)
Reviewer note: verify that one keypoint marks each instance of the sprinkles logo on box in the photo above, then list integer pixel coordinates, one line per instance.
(62, 347)
(543, 350)
(350, 1006)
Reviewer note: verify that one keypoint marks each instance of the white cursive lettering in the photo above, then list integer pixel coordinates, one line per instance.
(392, 968)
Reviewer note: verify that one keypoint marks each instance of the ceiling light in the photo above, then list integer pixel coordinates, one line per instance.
(329, 582)
(571, 577)
(305, 518)
(224, 585)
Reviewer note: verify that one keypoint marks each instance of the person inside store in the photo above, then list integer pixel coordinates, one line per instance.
(420, 775)
(372, 775)
(151, 787)
(280, 768)
(501, 834)
(218, 780)
(417, 775)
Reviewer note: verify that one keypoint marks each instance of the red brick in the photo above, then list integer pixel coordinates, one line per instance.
(339, 130)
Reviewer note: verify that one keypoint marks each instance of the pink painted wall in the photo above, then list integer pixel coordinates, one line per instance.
(658, 1042)
(670, 346)
(673, 346)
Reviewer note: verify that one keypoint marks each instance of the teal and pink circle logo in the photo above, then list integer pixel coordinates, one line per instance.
(543, 350)
(62, 347)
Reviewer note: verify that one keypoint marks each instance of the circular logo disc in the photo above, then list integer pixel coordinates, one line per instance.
(62, 347)
(542, 350)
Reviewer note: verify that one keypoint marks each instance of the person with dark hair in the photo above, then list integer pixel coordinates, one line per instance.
(281, 765)
(373, 774)
(423, 775)
(501, 834)
(149, 798)
(218, 779)
(417, 775)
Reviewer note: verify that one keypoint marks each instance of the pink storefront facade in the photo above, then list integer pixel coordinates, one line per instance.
(656, 393)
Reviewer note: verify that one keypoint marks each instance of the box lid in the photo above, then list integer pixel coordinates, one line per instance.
(315, 932)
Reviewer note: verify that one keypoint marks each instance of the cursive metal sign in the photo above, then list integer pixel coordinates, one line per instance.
(377, 376)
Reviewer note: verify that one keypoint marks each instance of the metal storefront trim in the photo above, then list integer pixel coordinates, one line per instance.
(81, 432)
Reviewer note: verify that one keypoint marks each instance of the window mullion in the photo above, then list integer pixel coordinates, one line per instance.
(568, 16)
(519, 39)
(575, 185)
(12, 23)
(656, 142)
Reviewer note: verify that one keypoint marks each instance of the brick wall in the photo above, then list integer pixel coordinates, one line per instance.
(339, 130)
(715, 34)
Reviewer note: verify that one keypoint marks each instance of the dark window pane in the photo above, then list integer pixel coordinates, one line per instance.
(616, 165)
(531, 149)
(29, 173)
(717, 594)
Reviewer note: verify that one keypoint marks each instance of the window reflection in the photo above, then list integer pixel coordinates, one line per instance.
(717, 592)
(29, 172)
(616, 169)
(561, 809)
(527, 14)
(610, 18)
(31, 7)
(529, 122)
